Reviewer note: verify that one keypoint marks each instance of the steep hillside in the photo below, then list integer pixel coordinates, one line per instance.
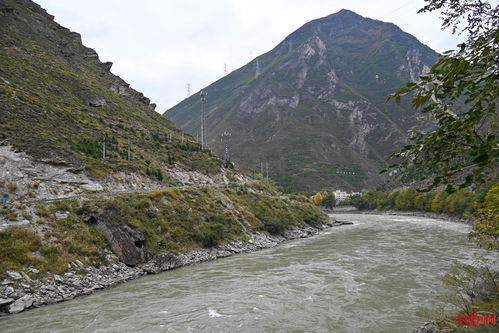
(313, 107)
(67, 121)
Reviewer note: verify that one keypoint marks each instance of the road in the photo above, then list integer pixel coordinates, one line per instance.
(102, 194)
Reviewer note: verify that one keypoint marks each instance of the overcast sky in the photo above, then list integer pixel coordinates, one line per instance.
(160, 46)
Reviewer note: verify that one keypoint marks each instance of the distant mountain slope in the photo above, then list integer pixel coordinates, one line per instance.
(313, 107)
(63, 107)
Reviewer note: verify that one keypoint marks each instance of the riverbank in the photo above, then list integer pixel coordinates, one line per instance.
(431, 215)
(18, 292)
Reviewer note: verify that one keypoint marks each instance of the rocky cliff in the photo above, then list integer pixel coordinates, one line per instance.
(314, 106)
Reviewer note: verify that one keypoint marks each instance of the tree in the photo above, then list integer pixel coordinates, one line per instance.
(458, 97)
(486, 229)
(317, 199)
(329, 200)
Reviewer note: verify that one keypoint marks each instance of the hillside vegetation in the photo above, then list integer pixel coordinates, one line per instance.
(482, 208)
(61, 104)
(171, 221)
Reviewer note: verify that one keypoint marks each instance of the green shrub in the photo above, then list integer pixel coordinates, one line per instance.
(17, 247)
(312, 217)
(209, 235)
(274, 227)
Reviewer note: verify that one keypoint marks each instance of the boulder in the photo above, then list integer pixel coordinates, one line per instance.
(4, 301)
(427, 328)
(14, 275)
(92, 187)
(61, 215)
(162, 262)
(8, 290)
(96, 101)
(21, 304)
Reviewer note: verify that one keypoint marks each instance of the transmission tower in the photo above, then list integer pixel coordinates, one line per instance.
(188, 89)
(203, 125)
(226, 71)
(225, 139)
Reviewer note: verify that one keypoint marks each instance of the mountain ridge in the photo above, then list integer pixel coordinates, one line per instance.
(324, 85)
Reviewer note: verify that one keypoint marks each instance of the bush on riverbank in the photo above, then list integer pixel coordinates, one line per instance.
(459, 203)
(483, 208)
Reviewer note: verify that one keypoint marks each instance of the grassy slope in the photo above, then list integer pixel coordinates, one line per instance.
(174, 221)
(46, 80)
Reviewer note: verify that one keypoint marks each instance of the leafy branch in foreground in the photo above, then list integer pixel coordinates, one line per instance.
(457, 136)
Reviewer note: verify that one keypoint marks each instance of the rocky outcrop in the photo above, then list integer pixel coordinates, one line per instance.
(40, 179)
(96, 101)
(17, 296)
(126, 242)
(427, 328)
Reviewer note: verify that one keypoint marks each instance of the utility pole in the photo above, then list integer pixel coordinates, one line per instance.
(203, 125)
(129, 149)
(225, 139)
(182, 137)
(267, 167)
(261, 168)
(104, 148)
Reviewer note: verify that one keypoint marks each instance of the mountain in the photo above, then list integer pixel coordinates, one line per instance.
(68, 124)
(313, 107)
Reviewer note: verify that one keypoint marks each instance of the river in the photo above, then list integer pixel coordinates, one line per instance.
(372, 276)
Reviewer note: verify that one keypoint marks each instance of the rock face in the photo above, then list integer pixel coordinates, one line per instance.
(41, 179)
(316, 110)
(125, 241)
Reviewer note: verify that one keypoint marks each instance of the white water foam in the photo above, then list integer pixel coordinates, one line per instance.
(213, 313)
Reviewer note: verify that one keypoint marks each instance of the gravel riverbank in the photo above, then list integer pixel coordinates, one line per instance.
(19, 292)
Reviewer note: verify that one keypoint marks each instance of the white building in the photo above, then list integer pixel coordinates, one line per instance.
(340, 195)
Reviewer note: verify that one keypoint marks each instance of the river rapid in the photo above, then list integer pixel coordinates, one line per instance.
(372, 276)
